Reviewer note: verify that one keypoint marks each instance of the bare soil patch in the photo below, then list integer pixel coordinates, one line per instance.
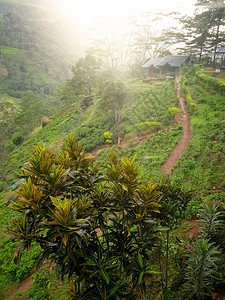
(193, 232)
(24, 285)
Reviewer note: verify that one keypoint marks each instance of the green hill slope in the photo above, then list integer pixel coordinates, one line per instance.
(201, 165)
(34, 48)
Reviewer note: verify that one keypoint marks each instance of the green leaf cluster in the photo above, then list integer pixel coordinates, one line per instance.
(98, 225)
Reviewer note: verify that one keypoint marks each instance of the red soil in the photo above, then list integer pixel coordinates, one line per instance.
(24, 285)
(183, 117)
(193, 232)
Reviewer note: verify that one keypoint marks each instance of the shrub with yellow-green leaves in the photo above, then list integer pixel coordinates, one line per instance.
(108, 137)
(173, 111)
(149, 126)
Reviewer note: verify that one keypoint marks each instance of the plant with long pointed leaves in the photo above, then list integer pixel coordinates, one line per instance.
(64, 201)
(212, 222)
(141, 271)
(202, 270)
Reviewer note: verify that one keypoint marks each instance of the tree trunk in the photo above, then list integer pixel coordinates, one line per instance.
(167, 250)
(117, 115)
(216, 41)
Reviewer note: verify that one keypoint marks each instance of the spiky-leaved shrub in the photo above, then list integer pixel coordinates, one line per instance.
(211, 223)
(96, 224)
(201, 270)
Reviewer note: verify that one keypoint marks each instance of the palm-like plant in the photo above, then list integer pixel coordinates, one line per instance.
(174, 201)
(66, 198)
(31, 198)
(63, 223)
(22, 230)
(141, 271)
(202, 269)
(77, 156)
(211, 221)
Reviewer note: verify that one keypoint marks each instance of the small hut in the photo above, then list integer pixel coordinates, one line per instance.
(152, 66)
(169, 65)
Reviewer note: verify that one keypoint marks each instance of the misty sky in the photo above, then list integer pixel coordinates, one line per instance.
(89, 11)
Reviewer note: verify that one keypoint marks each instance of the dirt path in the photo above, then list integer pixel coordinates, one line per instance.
(24, 285)
(184, 118)
(137, 140)
(175, 155)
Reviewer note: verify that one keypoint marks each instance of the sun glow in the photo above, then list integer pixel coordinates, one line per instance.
(90, 11)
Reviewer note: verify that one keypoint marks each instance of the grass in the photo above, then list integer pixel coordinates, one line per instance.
(89, 125)
(221, 76)
(152, 154)
(202, 163)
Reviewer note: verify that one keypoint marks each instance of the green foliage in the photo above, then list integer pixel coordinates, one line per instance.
(10, 272)
(31, 113)
(36, 59)
(114, 92)
(174, 202)
(211, 222)
(62, 206)
(17, 138)
(84, 75)
(202, 270)
(193, 208)
(149, 126)
(207, 140)
(210, 82)
(191, 107)
(173, 111)
(152, 105)
(108, 137)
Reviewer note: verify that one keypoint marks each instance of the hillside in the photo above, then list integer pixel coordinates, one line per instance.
(112, 184)
(199, 168)
(89, 127)
(35, 52)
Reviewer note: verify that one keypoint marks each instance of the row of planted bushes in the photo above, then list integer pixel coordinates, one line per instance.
(211, 82)
(191, 105)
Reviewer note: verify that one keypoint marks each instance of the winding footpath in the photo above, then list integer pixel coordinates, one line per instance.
(184, 118)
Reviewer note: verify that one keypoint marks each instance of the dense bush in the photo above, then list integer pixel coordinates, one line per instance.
(108, 137)
(149, 126)
(173, 111)
(202, 270)
(17, 138)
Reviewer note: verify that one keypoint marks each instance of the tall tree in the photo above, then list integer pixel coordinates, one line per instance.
(114, 93)
(31, 112)
(205, 31)
(151, 37)
(84, 74)
(195, 34)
